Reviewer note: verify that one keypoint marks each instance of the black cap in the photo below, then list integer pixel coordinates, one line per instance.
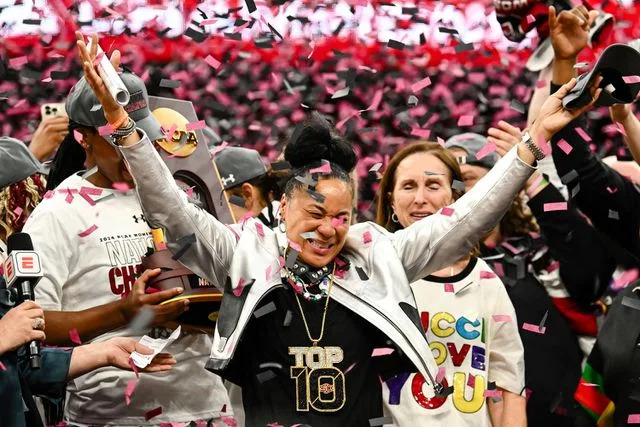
(19, 242)
(616, 62)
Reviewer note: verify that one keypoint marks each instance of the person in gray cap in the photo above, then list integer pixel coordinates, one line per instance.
(91, 233)
(466, 147)
(249, 185)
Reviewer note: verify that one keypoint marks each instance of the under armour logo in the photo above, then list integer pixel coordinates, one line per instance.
(230, 178)
(141, 218)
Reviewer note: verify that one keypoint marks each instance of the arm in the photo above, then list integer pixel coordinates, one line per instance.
(430, 244)
(164, 203)
(510, 411)
(585, 264)
(539, 95)
(623, 114)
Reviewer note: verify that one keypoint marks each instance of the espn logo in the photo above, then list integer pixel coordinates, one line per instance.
(22, 264)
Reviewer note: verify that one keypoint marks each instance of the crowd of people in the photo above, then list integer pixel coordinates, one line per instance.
(495, 285)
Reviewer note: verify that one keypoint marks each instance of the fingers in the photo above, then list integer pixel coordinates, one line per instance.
(167, 312)
(553, 18)
(158, 297)
(501, 135)
(27, 305)
(94, 46)
(593, 15)
(141, 282)
(565, 89)
(115, 59)
(34, 313)
(142, 349)
(513, 130)
(37, 335)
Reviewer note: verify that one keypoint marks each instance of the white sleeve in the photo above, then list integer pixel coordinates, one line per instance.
(506, 353)
(50, 242)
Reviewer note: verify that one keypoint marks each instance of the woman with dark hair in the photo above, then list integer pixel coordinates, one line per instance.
(306, 305)
(465, 310)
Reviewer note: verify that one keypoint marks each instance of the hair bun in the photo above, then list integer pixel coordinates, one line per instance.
(315, 139)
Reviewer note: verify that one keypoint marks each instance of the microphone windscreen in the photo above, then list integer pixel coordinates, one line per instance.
(19, 242)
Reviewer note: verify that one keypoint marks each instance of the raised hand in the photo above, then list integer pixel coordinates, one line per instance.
(118, 351)
(569, 30)
(17, 326)
(553, 116)
(504, 136)
(48, 136)
(137, 299)
(112, 110)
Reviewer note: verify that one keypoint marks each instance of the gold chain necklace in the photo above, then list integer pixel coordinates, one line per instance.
(324, 314)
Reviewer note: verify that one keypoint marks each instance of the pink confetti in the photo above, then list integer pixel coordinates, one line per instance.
(633, 419)
(18, 62)
(441, 142)
(97, 59)
(208, 21)
(499, 269)
(295, 246)
(471, 381)
(213, 62)
(337, 222)
(447, 211)
(237, 291)
(49, 194)
(18, 212)
(534, 328)
(267, 273)
(501, 318)
(169, 132)
(440, 375)
(583, 134)
(74, 337)
(487, 275)
(324, 169)
(448, 287)
(612, 190)
(553, 266)
(625, 278)
(153, 413)
(418, 86)
(565, 146)
(421, 133)
(105, 130)
(230, 421)
(466, 120)
(2, 367)
(493, 393)
(383, 351)
(121, 186)
(366, 237)
(530, 19)
(259, 229)
(486, 149)
(621, 129)
(540, 84)
(131, 385)
(555, 206)
(200, 124)
(88, 231)
(631, 79)
(77, 136)
(375, 103)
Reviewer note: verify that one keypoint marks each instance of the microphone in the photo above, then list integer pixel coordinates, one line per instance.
(22, 271)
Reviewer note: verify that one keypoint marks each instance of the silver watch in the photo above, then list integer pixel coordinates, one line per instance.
(535, 150)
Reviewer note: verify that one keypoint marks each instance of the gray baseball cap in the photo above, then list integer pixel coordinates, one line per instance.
(472, 143)
(238, 165)
(17, 161)
(83, 107)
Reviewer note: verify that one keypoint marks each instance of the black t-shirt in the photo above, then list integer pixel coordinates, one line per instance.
(275, 384)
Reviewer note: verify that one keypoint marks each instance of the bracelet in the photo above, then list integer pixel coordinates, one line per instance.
(535, 150)
(120, 121)
(119, 134)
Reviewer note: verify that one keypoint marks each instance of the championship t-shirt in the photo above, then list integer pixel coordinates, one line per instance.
(286, 380)
(90, 241)
(472, 331)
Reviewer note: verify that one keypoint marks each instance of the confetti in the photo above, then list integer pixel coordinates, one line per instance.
(486, 149)
(265, 309)
(447, 211)
(170, 84)
(493, 393)
(487, 275)
(2, 367)
(441, 374)
(337, 221)
(265, 376)
(583, 134)
(363, 276)
(471, 380)
(421, 133)
(341, 93)
(540, 84)
(501, 318)
(287, 319)
(366, 237)
(418, 86)
(88, 231)
(200, 124)
(131, 385)
(565, 146)
(185, 243)
(374, 422)
(291, 258)
(533, 328)
(394, 44)
(105, 130)
(555, 206)
(631, 79)
(153, 413)
(448, 287)
(466, 120)
(569, 177)
(382, 351)
(324, 169)
(74, 336)
(613, 214)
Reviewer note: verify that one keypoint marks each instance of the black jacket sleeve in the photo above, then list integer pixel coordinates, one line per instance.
(585, 265)
(606, 197)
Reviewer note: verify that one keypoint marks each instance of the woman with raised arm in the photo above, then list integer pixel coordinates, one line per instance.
(306, 305)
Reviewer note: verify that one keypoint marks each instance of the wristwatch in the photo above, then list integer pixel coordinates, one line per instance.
(128, 128)
(535, 150)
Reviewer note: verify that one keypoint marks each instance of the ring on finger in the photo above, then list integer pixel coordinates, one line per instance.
(38, 323)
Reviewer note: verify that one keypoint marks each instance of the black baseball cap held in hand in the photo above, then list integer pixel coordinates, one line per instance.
(617, 63)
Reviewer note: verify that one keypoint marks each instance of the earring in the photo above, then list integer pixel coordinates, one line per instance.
(394, 217)
(282, 226)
